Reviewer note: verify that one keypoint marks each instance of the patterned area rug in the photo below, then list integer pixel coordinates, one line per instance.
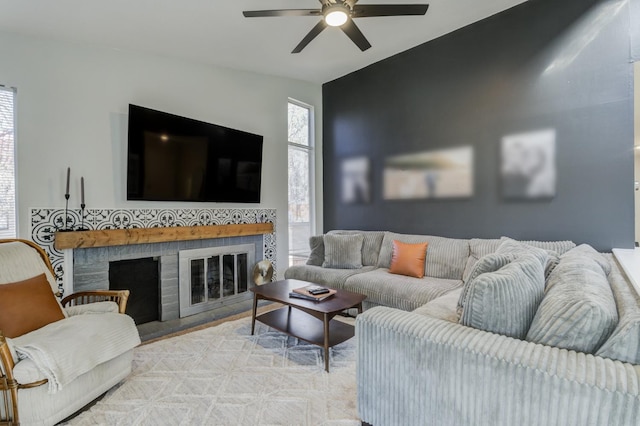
(224, 376)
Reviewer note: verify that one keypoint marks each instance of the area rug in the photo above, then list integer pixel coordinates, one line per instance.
(224, 376)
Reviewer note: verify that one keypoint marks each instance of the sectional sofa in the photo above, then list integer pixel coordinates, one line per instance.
(497, 332)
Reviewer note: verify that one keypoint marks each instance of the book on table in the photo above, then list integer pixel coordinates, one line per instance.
(307, 293)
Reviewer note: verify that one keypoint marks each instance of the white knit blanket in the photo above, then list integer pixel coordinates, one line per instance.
(68, 348)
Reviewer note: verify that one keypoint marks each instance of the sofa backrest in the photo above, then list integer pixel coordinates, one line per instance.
(624, 343)
(446, 257)
(578, 311)
(479, 247)
(19, 262)
(370, 245)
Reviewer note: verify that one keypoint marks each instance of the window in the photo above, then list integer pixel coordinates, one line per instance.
(301, 181)
(7, 163)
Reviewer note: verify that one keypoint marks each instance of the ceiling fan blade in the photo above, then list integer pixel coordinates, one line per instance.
(370, 10)
(310, 36)
(281, 12)
(353, 32)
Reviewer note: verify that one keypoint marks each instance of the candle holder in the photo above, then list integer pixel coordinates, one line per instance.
(65, 226)
(82, 228)
(66, 215)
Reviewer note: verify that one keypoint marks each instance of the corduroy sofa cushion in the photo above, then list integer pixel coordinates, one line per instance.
(585, 250)
(343, 251)
(578, 311)
(505, 301)
(398, 291)
(624, 342)
(489, 263)
(548, 258)
(316, 244)
(334, 278)
(479, 247)
(372, 240)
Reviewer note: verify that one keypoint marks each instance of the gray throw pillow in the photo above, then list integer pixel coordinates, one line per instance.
(578, 311)
(505, 301)
(548, 258)
(343, 251)
(624, 342)
(372, 240)
(489, 263)
(586, 250)
(316, 244)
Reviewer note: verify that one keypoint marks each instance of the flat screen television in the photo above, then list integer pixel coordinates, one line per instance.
(173, 158)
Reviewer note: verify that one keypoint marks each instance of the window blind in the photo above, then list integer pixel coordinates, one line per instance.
(7, 163)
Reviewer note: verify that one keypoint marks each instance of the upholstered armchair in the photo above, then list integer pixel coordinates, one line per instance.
(56, 357)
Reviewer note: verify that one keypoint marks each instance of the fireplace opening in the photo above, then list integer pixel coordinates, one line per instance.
(215, 276)
(141, 278)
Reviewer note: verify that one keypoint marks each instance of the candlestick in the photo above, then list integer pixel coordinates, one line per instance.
(82, 205)
(66, 205)
(68, 178)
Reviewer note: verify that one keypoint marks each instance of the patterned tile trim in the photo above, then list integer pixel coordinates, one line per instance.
(45, 222)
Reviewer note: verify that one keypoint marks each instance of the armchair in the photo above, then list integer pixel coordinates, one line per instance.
(52, 397)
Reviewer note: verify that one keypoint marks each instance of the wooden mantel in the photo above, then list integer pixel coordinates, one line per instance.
(121, 237)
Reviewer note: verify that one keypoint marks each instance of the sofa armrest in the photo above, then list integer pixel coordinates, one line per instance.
(93, 308)
(85, 297)
(8, 384)
(418, 370)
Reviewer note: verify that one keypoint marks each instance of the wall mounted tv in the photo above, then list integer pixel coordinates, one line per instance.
(173, 158)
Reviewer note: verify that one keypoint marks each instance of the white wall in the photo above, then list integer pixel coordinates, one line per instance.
(636, 113)
(72, 111)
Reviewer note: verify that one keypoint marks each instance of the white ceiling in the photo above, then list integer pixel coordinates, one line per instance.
(215, 32)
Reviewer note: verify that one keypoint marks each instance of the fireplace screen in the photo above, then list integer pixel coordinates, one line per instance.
(213, 276)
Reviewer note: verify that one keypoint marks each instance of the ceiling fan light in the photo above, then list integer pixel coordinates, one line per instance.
(336, 15)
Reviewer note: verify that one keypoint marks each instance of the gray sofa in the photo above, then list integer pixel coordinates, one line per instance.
(453, 348)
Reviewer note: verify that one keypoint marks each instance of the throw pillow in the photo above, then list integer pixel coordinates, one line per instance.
(548, 258)
(447, 256)
(489, 263)
(408, 259)
(343, 251)
(27, 305)
(587, 251)
(578, 311)
(505, 301)
(372, 240)
(624, 342)
(316, 244)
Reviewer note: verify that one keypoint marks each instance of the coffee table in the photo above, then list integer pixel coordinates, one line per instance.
(309, 320)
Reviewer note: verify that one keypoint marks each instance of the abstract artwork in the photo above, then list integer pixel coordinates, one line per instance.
(356, 182)
(446, 173)
(529, 165)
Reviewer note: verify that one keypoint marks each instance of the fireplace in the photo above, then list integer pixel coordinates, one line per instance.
(141, 278)
(220, 277)
(214, 276)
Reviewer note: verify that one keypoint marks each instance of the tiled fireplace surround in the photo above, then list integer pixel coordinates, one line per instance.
(91, 265)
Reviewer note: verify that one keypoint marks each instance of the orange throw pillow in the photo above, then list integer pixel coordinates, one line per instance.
(27, 305)
(408, 259)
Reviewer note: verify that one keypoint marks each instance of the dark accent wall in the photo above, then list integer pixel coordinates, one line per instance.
(543, 64)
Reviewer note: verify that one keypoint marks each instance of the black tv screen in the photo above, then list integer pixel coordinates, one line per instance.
(173, 158)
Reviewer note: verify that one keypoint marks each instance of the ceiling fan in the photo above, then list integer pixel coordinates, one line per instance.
(340, 13)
